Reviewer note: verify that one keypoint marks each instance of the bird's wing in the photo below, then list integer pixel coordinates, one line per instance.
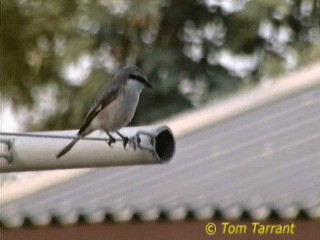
(103, 99)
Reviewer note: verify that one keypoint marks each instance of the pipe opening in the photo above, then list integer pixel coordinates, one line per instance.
(165, 145)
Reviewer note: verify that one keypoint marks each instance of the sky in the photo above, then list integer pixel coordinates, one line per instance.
(8, 121)
(76, 73)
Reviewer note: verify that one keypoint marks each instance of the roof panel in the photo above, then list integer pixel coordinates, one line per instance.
(263, 160)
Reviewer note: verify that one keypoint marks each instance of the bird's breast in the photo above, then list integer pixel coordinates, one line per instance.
(119, 112)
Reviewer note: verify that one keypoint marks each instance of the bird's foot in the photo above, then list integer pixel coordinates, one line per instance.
(111, 139)
(125, 141)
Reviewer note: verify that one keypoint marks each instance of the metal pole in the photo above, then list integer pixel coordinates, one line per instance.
(37, 151)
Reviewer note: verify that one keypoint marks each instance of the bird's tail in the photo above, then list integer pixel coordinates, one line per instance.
(68, 147)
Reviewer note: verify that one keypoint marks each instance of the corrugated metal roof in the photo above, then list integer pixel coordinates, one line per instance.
(263, 161)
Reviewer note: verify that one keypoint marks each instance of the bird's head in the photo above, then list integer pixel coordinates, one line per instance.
(134, 73)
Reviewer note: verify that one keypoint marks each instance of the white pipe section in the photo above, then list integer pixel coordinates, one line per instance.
(38, 152)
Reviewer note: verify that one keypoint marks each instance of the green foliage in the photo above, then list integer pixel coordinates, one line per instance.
(189, 50)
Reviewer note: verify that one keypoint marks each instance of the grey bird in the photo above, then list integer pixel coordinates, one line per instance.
(114, 106)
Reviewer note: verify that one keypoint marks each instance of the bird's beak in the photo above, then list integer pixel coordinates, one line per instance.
(147, 84)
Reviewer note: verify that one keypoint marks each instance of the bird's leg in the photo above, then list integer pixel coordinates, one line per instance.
(111, 138)
(125, 140)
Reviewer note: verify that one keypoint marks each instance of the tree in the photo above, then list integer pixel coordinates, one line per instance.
(58, 54)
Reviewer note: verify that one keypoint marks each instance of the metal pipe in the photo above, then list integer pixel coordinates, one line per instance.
(37, 151)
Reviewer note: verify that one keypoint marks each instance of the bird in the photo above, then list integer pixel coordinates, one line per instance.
(114, 106)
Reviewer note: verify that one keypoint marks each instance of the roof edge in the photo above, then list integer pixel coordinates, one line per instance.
(286, 85)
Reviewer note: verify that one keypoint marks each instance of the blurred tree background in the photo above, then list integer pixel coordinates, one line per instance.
(56, 55)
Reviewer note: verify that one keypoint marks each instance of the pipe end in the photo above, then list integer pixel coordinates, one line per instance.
(165, 145)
